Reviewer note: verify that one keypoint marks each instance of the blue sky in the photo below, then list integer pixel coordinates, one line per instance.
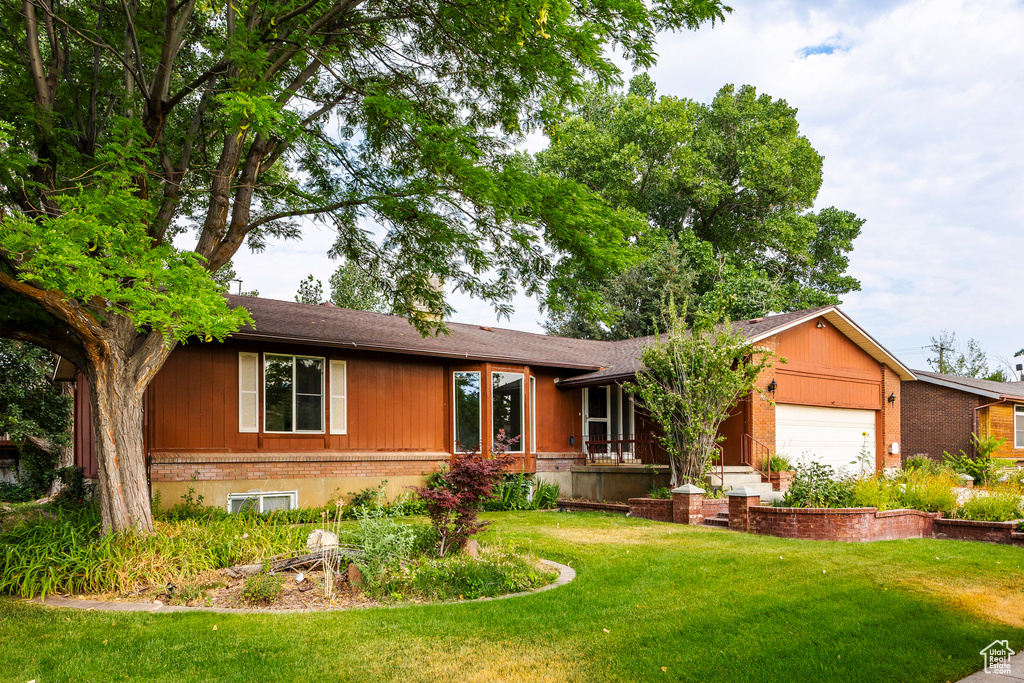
(918, 109)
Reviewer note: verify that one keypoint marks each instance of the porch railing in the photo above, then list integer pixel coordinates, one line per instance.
(757, 455)
(619, 449)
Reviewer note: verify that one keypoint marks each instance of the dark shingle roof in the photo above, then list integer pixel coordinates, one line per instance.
(982, 387)
(600, 361)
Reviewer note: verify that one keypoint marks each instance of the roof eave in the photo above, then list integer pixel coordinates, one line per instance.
(388, 348)
(968, 389)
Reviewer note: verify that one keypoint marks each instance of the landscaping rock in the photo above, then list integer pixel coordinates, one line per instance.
(321, 539)
(472, 548)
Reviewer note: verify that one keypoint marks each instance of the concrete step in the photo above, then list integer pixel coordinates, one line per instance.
(717, 521)
(733, 481)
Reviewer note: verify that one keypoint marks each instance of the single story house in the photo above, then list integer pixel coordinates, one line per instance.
(940, 412)
(316, 401)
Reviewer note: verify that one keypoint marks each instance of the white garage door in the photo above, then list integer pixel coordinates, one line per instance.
(832, 436)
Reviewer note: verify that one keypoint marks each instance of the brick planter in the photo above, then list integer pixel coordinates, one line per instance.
(658, 509)
(841, 524)
(969, 530)
(781, 481)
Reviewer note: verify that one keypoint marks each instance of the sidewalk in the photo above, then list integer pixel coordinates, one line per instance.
(1016, 674)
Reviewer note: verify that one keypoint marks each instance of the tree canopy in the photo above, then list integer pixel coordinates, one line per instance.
(350, 287)
(731, 183)
(143, 143)
(950, 357)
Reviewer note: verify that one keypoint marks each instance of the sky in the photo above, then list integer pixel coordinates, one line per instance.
(918, 110)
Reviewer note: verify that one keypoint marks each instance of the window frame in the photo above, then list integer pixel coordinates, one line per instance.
(522, 408)
(1018, 413)
(323, 393)
(455, 408)
(533, 414)
(242, 357)
(293, 499)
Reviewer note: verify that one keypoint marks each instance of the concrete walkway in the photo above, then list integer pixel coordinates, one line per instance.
(565, 575)
(1016, 674)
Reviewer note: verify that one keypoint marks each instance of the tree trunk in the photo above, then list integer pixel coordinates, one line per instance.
(117, 414)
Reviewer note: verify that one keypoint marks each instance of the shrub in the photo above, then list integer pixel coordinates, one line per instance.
(497, 571)
(817, 485)
(262, 589)
(1001, 505)
(779, 463)
(17, 493)
(929, 492)
(77, 489)
(386, 542)
(521, 491)
(454, 505)
(876, 492)
(983, 468)
(662, 493)
(922, 463)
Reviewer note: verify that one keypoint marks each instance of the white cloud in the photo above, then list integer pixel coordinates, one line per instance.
(919, 117)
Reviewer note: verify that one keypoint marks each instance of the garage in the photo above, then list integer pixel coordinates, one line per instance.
(831, 436)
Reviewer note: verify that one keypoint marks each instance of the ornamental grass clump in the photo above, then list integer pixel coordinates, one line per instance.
(997, 505)
(68, 553)
(928, 492)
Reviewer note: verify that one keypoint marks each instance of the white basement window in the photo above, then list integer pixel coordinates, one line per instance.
(262, 501)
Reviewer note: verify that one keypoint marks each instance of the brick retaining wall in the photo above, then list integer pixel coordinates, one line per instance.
(841, 524)
(969, 530)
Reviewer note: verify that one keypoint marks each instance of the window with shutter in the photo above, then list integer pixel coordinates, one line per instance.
(339, 397)
(248, 392)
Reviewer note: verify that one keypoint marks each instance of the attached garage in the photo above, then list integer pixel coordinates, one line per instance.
(831, 436)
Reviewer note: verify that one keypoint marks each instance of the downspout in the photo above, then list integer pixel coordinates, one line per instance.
(977, 426)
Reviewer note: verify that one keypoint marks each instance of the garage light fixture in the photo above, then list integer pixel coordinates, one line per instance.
(892, 397)
(821, 324)
(772, 386)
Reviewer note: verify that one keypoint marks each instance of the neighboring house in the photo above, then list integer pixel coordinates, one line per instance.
(940, 412)
(318, 401)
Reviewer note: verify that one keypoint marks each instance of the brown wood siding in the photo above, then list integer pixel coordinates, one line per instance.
(559, 415)
(997, 421)
(825, 368)
(395, 403)
(84, 440)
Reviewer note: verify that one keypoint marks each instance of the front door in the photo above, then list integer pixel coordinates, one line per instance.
(596, 418)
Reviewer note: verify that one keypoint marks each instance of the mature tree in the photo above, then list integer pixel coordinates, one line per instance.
(950, 357)
(733, 183)
(128, 126)
(692, 378)
(350, 288)
(35, 412)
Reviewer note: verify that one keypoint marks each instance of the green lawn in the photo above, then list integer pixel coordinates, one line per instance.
(651, 601)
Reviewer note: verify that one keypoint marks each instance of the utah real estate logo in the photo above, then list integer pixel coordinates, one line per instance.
(997, 657)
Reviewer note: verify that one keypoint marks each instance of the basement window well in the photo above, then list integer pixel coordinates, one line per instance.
(262, 501)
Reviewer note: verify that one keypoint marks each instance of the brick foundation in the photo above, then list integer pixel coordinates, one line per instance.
(559, 462)
(178, 467)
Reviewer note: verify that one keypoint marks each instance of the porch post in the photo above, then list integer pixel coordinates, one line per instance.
(688, 504)
(740, 502)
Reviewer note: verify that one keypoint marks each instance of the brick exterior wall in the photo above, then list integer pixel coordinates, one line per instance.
(762, 411)
(559, 462)
(841, 524)
(236, 467)
(891, 418)
(936, 419)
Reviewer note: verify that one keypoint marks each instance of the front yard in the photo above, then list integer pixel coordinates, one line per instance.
(651, 601)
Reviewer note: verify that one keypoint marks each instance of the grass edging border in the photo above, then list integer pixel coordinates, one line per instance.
(565, 575)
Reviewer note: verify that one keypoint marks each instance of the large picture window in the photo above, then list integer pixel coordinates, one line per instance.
(467, 410)
(507, 407)
(293, 393)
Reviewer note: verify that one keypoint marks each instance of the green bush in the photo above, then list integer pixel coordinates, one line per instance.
(876, 492)
(779, 463)
(929, 492)
(522, 491)
(661, 493)
(262, 589)
(818, 486)
(497, 571)
(983, 468)
(1001, 505)
(922, 463)
(17, 493)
